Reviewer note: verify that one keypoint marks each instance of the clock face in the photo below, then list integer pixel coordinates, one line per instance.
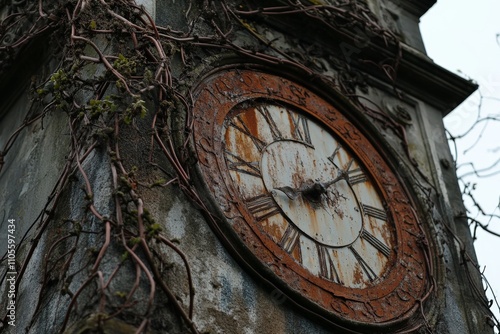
(307, 196)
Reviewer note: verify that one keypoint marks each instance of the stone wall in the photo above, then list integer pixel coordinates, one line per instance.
(403, 115)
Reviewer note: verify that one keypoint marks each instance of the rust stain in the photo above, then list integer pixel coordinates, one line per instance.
(313, 218)
(358, 278)
(252, 122)
(297, 254)
(297, 179)
(274, 229)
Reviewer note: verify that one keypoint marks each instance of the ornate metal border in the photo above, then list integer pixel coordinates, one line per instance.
(390, 303)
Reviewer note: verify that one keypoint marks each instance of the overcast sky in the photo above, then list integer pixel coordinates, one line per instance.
(462, 38)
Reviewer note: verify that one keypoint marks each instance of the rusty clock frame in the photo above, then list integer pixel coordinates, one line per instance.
(394, 300)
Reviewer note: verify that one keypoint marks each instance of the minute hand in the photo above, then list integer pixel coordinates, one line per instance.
(342, 176)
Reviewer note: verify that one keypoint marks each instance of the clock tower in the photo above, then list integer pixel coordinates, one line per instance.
(231, 167)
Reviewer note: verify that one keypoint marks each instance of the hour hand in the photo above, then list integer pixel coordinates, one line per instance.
(312, 190)
(290, 192)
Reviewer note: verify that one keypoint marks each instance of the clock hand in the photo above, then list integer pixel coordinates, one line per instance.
(313, 191)
(290, 192)
(342, 176)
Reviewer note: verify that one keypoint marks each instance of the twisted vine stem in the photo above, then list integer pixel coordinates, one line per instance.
(115, 75)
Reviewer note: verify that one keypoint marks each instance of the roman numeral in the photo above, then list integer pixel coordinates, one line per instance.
(300, 128)
(242, 127)
(374, 212)
(379, 245)
(290, 240)
(238, 164)
(366, 268)
(326, 268)
(334, 155)
(262, 207)
(356, 176)
(275, 131)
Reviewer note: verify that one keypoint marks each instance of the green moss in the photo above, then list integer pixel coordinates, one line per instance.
(99, 107)
(59, 80)
(124, 65)
(125, 256)
(121, 294)
(138, 108)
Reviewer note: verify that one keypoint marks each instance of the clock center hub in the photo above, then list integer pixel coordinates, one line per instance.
(312, 192)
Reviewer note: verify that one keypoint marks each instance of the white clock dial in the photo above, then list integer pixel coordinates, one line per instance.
(309, 194)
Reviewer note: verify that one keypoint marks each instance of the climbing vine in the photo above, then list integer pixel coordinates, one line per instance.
(112, 75)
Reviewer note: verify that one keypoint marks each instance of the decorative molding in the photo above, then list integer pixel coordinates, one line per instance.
(415, 7)
(414, 72)
(422, 77)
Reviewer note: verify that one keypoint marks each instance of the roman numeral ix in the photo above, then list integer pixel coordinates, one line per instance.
(262, 206)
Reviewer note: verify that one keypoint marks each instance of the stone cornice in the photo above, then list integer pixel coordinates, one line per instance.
(416, 7)
(419, 76)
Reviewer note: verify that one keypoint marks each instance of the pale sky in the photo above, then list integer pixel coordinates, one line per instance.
(462, 38)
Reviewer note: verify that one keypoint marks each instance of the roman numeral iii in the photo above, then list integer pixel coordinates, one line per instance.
(356, 176)
(374, 212)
